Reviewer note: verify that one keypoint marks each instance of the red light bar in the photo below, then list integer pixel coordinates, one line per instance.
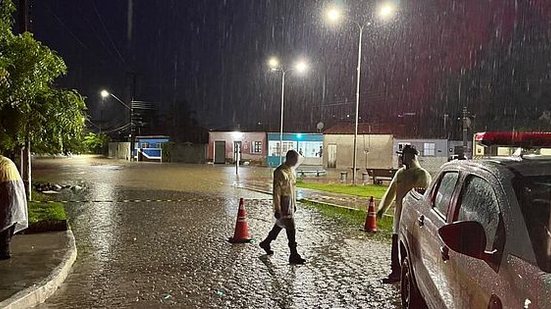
(514, 139)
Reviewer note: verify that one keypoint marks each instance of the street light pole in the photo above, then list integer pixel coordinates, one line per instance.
(357, 102)
(300, 67)
(281, 119)
(385, 11)
(104, 94)
(131, 136)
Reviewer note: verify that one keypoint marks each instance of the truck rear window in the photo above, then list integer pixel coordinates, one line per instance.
(534, 196)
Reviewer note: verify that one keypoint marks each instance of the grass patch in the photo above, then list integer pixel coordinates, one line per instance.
(45, 211)
(354, 218)
(376, 191)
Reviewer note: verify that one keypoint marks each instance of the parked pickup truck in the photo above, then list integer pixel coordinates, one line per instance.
(479, 237)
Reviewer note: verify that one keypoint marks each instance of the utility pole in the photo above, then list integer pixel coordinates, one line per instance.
(131, 74)
(446, 134)
(465, 131)
(24, 16)
(132, 137)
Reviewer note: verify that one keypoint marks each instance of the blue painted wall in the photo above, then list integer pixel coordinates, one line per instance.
(273, 160)
(152, 149)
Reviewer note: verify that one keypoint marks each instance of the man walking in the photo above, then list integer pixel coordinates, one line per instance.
(13, 205)
(410, 176)
(284, 199)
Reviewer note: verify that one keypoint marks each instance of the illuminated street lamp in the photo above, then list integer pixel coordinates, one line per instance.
(273, 63)
(386, 11)
(300, 67)
(334, 15)
(104, 94)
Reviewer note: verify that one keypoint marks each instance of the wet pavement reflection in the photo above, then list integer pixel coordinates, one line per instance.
(156, 254)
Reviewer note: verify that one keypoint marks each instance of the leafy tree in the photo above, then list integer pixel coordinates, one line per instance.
(95, 143)
(32, 110)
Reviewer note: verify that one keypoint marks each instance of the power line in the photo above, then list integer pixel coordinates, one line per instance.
(67, 28)
(106, 32)
(99, 37)
(117, 129)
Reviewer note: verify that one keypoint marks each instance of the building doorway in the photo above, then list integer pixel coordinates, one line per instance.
(331, 156)
(219, 152)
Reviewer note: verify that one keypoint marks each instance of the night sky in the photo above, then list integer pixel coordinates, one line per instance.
(209, 57)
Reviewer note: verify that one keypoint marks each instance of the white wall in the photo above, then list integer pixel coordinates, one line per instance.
(119, 150)
(372, 151)
(431, 163)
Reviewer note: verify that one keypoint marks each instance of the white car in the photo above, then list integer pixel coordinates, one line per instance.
(480, 236)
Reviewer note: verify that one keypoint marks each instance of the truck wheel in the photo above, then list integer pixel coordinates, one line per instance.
(411, 298)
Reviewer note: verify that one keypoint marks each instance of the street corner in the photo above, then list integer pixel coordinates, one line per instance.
(39, 265)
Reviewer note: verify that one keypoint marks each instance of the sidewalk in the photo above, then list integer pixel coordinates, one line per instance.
(39, 264)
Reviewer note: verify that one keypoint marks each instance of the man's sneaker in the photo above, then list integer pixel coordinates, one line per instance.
(393, 277)
(266, 247)
(296, 259)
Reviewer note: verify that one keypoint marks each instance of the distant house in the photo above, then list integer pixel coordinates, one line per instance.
(432, 152)
(309, 145)
(223, 145)
(373, 147)
(149, 148)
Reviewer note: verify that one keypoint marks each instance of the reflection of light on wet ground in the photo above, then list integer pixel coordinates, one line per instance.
(231, 207)
(102, 227)
(151, 254)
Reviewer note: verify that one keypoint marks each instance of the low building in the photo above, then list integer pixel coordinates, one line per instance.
(309, 145)
(373, 147)
(456, 149)
(505, 144)
(432, 152)
(185, 153)
(119, 150)
(149, 148)
(223, 144)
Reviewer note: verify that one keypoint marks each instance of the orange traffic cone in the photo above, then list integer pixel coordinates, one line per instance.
(371, 219)
(241, 233)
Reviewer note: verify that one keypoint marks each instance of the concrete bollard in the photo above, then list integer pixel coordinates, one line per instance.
(344, 175)
(365, 177)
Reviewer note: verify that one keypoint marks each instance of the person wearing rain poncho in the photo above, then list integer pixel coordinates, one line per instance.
(285, 201)
(410, 176)
(13, 205)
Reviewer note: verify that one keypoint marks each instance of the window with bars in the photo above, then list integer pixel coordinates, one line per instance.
(273, 147)
(257, 147)
(429, 149)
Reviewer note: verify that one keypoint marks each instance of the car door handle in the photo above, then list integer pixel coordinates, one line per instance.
(421, 220)
(445, 252)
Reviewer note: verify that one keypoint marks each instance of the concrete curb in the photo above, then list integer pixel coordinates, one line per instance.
(255, 190)
(40, 291)
(328, 204)
(335, 205)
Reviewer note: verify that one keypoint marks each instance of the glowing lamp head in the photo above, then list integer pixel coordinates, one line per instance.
(104, 93)
(386, 11)
(301, 66)
(333, 15)
(273, 63)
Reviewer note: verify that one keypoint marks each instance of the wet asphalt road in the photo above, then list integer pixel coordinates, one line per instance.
(175, 254)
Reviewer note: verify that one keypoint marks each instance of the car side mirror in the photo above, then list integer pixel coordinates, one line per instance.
(465, 237)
